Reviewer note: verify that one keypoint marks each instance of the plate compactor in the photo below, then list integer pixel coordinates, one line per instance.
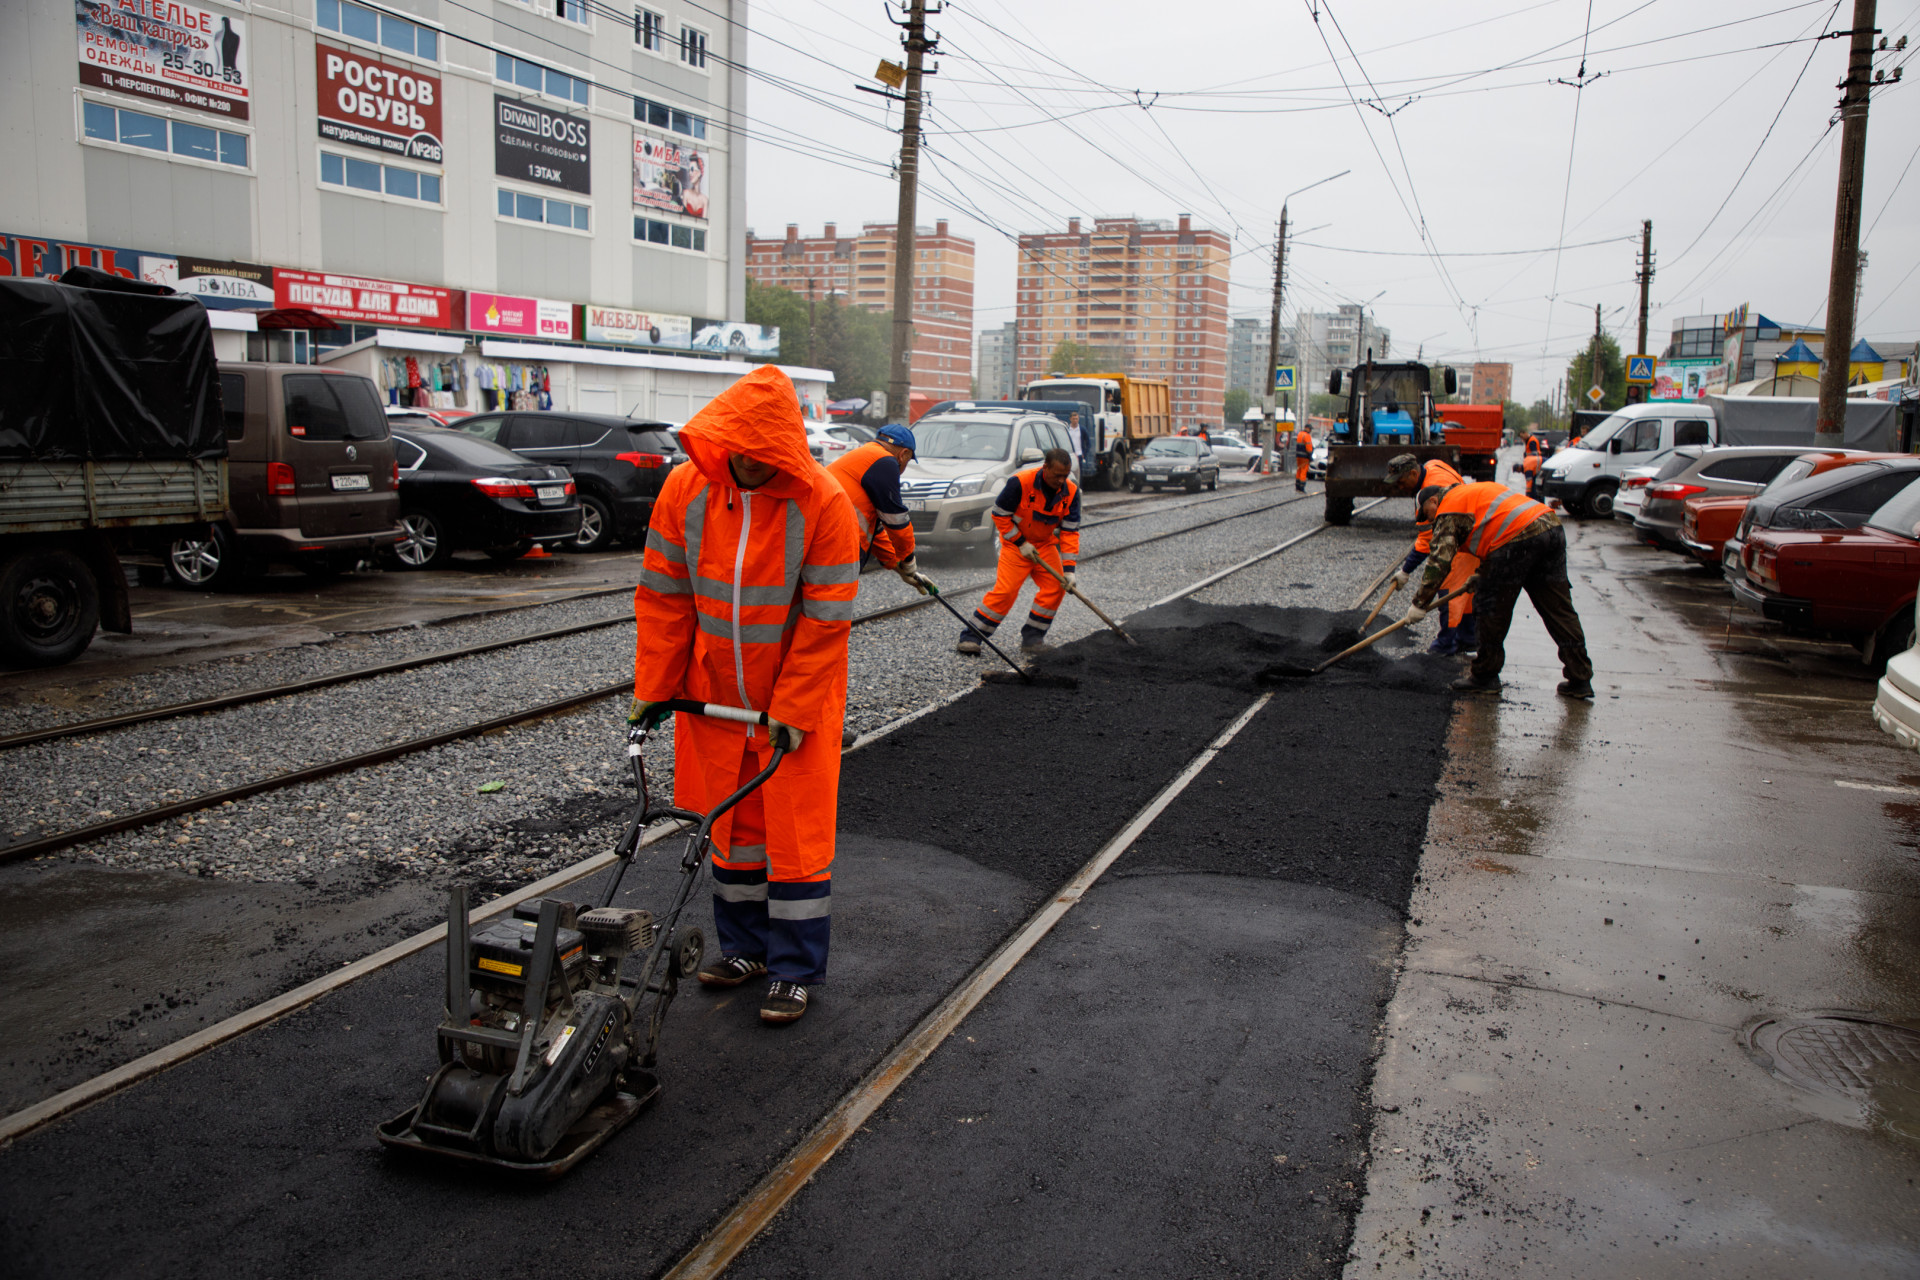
(550, 1039)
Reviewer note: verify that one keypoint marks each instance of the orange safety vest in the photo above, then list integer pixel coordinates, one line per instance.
(1303, 442)
(889, 533)
(1433, 471)
(1498, 513)
(1038, 519)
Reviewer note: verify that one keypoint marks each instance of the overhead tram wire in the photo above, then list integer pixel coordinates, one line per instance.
(1566, 195)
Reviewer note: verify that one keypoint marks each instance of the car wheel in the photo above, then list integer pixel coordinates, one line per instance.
(1599, 503)
(512, 551)
(201, 564)
(596, 525)
(1193, 485)
(49, 607)
(1135, 486)
(423, 543)
(1213, 482)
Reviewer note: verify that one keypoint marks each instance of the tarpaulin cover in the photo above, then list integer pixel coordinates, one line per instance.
(1788, 420)
(105, 368)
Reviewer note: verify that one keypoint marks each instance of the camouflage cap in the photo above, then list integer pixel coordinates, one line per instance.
(1399, 465)
(1428, 494)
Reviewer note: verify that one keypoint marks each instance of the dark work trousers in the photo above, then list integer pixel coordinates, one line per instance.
(1537, 565)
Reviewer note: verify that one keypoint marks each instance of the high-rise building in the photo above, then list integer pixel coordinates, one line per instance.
(860, 271)
(1338, 339)
(995, 371)
(1142, 297)
(1247, 341)
(1484, 383)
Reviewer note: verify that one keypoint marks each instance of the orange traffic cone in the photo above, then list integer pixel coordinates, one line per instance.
(538, 553)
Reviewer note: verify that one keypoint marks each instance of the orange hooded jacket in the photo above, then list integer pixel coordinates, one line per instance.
(746, 598)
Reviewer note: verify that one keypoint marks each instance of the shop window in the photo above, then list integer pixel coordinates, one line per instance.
(693, 47)
(660, 116)
(650, 30)
(383, 29)
(531, 75)
(365, 175)
(157, 133)
(554, 213)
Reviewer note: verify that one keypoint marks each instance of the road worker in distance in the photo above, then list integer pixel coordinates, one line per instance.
(1521, 547)
(1407, 476)
(871, 477)
(746, 599)
(1038, 518)
(1530, 463)
(1302, 455)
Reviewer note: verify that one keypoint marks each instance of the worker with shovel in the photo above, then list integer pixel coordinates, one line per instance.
(870, 475)
(1038, 518)
(1407, 476)
(1521, 547)
(746, 599)
(1302, 457)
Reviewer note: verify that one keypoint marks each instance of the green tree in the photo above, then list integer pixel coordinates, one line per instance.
(857, 345)
(1613, 375)
(786, 311)
(1234, 407)
(1072, 357)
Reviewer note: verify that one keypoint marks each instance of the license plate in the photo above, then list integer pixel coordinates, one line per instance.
(551, 493)
(915, 504)
(344, 483)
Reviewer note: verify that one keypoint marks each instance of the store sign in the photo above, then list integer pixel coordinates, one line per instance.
(638, 328)
(357, 300)
(1684, 379)
(737, 339)
(533, 144)
(220, 285)
(382, 106)
(530, 317)
(669, 175)
(43, 256)
(180, 54)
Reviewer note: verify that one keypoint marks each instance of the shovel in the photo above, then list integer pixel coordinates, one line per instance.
(997, 677)
(1374, 586)
(1282, 669)
(1075, 592)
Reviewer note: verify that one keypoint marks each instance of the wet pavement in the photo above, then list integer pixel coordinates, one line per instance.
(1612, 895)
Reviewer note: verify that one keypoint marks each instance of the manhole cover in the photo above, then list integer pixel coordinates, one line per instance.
(1836, 1053)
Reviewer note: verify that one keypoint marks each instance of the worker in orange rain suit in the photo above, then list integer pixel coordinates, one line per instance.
(1038, 517)
(746, 598)
(1302, 455)
(1521, 547)
(1536, 454)
(870, 475)
(1407, 475)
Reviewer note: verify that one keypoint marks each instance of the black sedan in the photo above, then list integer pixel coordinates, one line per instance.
(619, 464)
(1187, 461)
(458, 492)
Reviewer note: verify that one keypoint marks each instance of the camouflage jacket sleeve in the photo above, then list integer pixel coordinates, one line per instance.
(1450, 529)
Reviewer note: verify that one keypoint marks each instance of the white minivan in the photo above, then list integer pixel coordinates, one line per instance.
(1586, 474)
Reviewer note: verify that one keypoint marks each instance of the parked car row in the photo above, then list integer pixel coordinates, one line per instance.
(1824, 541)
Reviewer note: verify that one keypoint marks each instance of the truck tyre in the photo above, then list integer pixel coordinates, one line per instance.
(49, 607)
(201, 564)
(1599, 501)
(1114, 474)
(1339, 510)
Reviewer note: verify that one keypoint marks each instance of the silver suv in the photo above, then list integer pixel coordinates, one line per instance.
(962, 459)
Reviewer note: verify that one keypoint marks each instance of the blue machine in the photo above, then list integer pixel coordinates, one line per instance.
(1392, 426)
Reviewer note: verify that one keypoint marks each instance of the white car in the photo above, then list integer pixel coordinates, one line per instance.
(1232, 451)
(828, 443)
(1897, 707)
(1633, 486)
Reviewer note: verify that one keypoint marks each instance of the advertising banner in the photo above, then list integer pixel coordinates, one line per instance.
(743, 340)
(669, 175)
(533, 144)
(219, 285)
(357, 300)
(1685, 379)
(40, 256)
(529, 317)
(368, 102)
(638, 328)
(172, 52)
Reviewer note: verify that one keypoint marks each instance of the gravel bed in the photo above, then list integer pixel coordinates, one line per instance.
(566, 788)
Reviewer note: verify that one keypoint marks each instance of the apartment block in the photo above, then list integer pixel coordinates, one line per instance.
(1338, 339)
(995, 369)
(820, 267)
(1149, 297)
(1485, 383)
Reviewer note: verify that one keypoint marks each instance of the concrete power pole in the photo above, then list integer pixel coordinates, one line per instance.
(905, 268)
(1596, 352)
(1830, 427)
(1273, 346)
(1637, 394)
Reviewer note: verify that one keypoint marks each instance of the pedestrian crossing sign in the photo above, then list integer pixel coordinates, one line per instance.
(1640, 370)
(1283, 378)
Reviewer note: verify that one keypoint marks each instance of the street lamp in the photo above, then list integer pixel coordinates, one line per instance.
(1273, 328)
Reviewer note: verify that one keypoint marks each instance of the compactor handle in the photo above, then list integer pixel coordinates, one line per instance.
(719, 711)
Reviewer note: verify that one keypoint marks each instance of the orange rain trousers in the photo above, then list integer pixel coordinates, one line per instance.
(1012, 574)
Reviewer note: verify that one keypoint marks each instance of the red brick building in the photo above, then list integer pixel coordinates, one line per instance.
(1149, 295)
(859, 269)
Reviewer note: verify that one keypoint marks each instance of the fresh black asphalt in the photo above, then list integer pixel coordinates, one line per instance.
(1148, 1073)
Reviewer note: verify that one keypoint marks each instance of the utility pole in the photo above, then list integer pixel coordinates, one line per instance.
(905, 268)
(1637, 394)
(1830, 427)
(1273, 347)
(1596, 349)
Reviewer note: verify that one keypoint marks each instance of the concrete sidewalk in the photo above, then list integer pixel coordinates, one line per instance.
(1612, 895)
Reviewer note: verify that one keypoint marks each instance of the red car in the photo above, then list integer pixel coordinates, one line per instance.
(1855, 582)
(1713, 518)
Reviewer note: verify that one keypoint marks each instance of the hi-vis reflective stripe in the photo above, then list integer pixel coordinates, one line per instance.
(827, 610)
(748, 632)
(1500, 517)
(665, 584)
(829, 575)
(799, 908)
(756, 892)
(744, 857)
(673, 554)
(894, 519)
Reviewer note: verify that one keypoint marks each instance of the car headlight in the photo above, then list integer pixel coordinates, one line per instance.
(1138, 466)
(1183, 466)
(966, 486)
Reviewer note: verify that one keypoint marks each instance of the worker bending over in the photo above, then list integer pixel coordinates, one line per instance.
(1520, 546)
(1407, 476)
(1038, 517)
(1302, 455)
(1530, 464)
(746, 599)
(870, 475)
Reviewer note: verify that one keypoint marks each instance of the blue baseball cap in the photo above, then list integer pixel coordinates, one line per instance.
(898, 436)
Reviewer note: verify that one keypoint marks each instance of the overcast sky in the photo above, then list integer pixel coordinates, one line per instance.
(1450, 117)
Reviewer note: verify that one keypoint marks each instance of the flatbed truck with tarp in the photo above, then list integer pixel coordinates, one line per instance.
(112, 445)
